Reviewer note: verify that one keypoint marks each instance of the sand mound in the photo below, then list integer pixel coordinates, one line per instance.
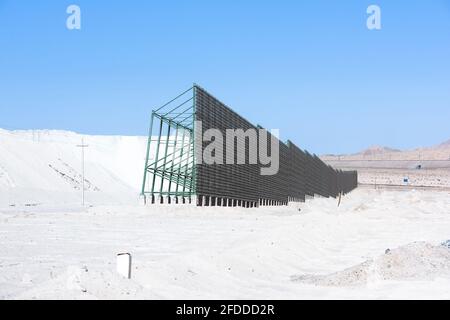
(416, 261)
(82, 283)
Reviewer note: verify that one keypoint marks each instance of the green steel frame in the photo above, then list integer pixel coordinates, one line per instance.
(170, 162)
(171, 169)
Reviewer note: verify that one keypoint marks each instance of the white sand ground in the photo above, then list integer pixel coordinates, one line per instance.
(320, 252)
(420, 178)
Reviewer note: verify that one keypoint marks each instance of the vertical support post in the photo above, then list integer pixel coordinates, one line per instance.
(194, 112)
(173, 159)
(82, 146)
(157, 156)
(181, 161)
(165, 158)
(187, 164)
(149, 143)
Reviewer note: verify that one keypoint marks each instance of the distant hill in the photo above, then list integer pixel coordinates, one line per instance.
(425, 166)
(378, 150)
(445, 144)
(438, 152)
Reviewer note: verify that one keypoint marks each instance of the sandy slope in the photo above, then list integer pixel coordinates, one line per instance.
(185, 252)
(44, 167)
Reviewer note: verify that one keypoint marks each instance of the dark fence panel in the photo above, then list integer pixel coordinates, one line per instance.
(300, 173)
(226, 180)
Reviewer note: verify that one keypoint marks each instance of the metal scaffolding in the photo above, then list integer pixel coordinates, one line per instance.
(169, 165)
(172, 174)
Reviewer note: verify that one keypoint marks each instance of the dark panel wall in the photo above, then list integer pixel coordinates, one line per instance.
(300, 173)
(231, 181)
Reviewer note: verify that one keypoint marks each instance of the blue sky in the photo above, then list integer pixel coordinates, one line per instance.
(310, 68)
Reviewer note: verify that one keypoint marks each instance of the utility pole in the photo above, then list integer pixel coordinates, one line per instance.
(82, 146)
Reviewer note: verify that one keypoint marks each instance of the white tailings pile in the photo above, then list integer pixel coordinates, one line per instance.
(416, 261)
(43, 167)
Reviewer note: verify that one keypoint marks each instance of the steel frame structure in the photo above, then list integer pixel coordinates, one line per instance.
(170, 168)
(171, 173)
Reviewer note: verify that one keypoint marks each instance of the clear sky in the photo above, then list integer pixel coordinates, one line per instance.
(309, 68)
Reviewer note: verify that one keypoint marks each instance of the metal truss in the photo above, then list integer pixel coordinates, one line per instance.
(169, 165)
(171, 173)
